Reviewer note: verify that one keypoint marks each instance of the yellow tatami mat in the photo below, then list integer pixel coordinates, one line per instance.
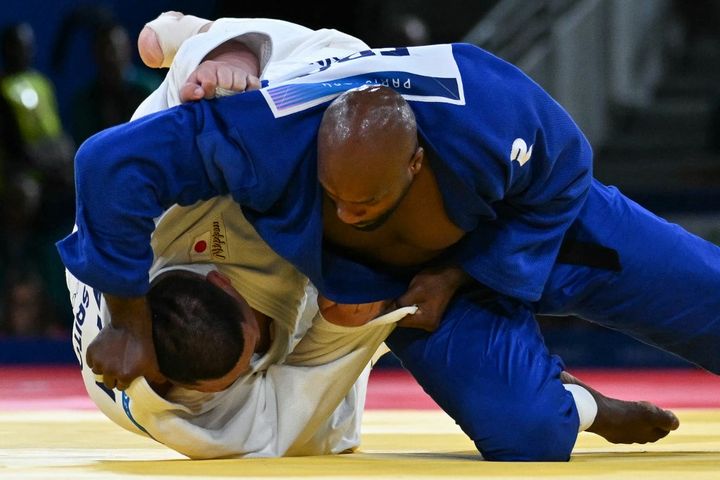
(396, 444)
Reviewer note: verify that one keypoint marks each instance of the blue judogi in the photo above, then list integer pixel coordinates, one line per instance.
(515, 174)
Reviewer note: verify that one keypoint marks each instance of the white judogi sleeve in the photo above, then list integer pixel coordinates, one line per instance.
(324, 364)
(283, 48)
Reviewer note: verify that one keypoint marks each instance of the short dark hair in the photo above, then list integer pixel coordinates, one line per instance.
(196, 328)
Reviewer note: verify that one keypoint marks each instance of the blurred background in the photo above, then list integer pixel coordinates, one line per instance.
(641, 77)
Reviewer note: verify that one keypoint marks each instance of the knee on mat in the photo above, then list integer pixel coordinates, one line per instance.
(534, 437)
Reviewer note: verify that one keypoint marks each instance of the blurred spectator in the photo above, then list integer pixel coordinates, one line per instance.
(18, 213)
(417, 22)
(32, 139)
(31, 134)
(27, 311)
(404, 29)
(119, 87)
(379, 23)
(36, 189)
(699, 19)
(701, 54)
(25, 307)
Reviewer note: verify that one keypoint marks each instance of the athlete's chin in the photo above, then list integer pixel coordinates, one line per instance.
(367, 226)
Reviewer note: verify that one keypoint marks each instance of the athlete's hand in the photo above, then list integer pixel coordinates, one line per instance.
(352, 315)
(123, 350)
(120, 357)
(212, 77)
(431, 290)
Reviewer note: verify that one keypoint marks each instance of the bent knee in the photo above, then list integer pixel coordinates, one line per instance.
(542, 438)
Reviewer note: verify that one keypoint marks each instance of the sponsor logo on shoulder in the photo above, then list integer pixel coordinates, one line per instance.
(200, 248)
(210, 245)
(218, 248)
(520, 151)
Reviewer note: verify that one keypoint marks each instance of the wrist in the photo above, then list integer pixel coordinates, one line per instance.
(456, 277)
(129, 313)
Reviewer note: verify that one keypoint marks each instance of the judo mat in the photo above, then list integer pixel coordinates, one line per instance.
(50, 430)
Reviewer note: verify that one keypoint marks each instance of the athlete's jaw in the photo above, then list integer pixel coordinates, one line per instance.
(380, 220)
(377, 222)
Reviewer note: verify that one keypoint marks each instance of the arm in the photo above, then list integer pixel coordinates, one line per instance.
(123, 349)
(515, 253)
(530, 169)
(230, 58)
(351, 315)
(273, 48)
(232, 67)
(431, 290)
(126, 177)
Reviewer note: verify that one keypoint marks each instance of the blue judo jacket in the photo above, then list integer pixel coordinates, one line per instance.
(512, 167)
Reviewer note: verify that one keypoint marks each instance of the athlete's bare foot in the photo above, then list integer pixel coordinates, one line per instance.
(621, 421)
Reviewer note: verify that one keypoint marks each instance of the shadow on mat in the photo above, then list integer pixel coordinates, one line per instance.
(420, 464)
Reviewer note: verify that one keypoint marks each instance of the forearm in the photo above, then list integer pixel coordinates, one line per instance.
(130, 313)
(431, 291)
(123, 350)
(454, 277)
(351, 315)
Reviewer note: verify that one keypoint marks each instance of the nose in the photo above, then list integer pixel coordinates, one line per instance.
(350, 213)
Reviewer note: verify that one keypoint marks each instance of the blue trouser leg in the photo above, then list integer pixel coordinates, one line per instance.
(667, 293)
(487, 366)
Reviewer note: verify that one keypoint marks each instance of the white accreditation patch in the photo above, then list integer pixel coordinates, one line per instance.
(420, 74)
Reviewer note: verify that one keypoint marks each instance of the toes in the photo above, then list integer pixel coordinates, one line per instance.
(661, 433)
(664, 419)
(674, 420)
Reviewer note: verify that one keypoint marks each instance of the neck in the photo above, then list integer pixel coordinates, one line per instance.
(264, 325)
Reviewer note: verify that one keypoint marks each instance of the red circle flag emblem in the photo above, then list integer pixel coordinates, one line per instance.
(200, 246)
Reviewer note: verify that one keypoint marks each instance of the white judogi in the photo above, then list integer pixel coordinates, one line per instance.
(305, 396)
(309, 405)
(285, 50)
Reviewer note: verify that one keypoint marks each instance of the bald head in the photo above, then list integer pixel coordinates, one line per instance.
(367, 149)
(364, 117)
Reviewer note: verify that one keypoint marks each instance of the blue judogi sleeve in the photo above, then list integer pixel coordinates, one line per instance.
(128, 175)
(514, 170)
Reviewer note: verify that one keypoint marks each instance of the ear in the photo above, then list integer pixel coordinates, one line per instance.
(224, 283)
(219, 279)
(416, 162)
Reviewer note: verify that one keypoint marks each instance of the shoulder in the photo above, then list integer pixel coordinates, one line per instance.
(495, 85)
(484, 66)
